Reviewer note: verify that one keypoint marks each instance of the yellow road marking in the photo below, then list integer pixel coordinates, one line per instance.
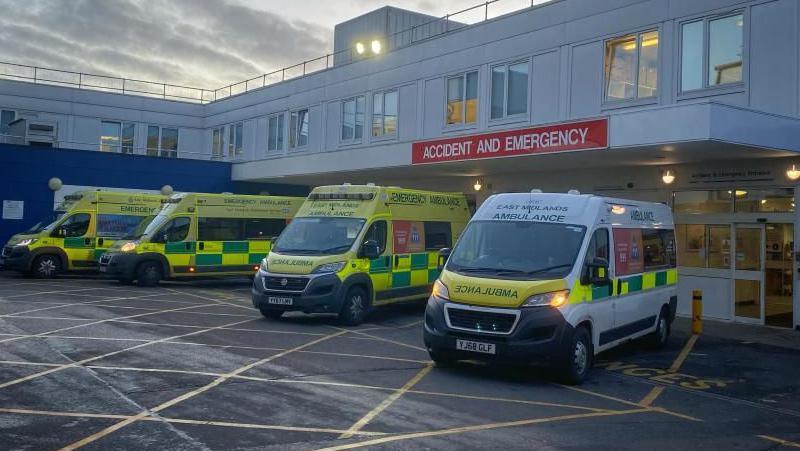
(780, 441)
(358, 425)
(61, 414)
(60, 306)
(629, 403)
(190, 394)
(249, 308)
(14, 296)
(656, 391)
(375, 337)
(92, 359)
(479, 427)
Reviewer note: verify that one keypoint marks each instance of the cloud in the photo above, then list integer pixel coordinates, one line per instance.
(203, 43)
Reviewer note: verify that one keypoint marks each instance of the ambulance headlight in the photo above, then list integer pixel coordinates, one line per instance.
(329, 268)
(264, 268)
(440, 290)
(130, 246)
(27, 241)
(552, 299)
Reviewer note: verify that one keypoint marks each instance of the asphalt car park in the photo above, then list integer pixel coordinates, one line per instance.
(88, 363)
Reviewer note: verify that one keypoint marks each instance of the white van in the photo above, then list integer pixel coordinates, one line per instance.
(554, 277)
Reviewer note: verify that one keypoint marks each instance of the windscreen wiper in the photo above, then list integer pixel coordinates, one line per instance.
(548, 268)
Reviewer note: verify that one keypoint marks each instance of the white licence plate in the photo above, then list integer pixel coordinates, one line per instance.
(475, 346)
(279, 300)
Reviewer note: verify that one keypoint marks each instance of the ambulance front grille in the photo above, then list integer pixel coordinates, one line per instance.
(279, 283)
(481, 320)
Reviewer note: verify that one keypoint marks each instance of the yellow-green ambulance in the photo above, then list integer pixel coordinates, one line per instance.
(202, 235)
(543, 277)
(87, 223)
(354, 247)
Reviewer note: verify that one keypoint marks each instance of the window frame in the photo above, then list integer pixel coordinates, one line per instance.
(14, 113)
(637, 35)
(119, 147)
(355, 139)
(383, 135)
(707, 89)
(160, 151)
(463, 75)
(217, 153)
(294, 135)
(505, 116)
(281, 132)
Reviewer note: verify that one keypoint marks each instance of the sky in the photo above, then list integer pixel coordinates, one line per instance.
(198, 43)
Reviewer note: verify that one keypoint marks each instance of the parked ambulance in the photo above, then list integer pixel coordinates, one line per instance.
(86, 224)
(354, 247)
(554, 277)
(203, 235)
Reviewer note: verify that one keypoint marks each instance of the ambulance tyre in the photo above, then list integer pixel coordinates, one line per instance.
(148, 274)
(578, 362)
(660, 337)
(46, 266)
(354, 307)
(271, 313)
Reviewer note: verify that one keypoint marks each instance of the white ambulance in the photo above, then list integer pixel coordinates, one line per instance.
(544, 277)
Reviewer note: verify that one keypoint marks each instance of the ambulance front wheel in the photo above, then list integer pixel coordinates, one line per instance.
(354, 307)
(271, 313)
(440, 358)
(580, 354)
(659, 338)
(46, 266)
(149, 274)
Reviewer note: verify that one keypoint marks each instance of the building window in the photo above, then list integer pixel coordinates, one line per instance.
(216, 142)
(704, 245)
(509, 90)
(631, 66)
(235, 135)
(712, 52)
(162, 141)
(384, 113)
(6, 118)
(702, 202)
(275, 132)
(353, 119)
(117, 137)
(298, 129)
(462, 98)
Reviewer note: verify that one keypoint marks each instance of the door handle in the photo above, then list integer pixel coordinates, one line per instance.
(188, 246)
(619, 287)
(87, 241)
(396, 261)
(201, 245)
(99, 241)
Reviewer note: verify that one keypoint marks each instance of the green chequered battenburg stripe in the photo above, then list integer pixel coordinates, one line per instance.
(401, 279)
(77, 242)
(661, 278)
(255, 259)
(634, 283)
(99, 253)
(379, 265)
(180, 248)
(208, 259)
(433, 274)
(419, 261)
(600, 291)
(235, 247)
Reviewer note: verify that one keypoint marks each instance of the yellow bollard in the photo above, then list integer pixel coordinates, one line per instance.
(697, 311)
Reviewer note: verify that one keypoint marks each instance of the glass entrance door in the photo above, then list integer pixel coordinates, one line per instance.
(748, 273)
(778, 275)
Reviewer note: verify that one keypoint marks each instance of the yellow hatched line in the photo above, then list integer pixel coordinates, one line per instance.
(479, 427)
(656, 391)
(780, 441)
(358, 425)
(104, 432)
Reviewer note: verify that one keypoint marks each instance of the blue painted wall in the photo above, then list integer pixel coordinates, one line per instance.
(24, 172)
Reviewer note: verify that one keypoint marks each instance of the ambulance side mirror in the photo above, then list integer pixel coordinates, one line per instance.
(595, 272)
(370, 250)
(444, 254)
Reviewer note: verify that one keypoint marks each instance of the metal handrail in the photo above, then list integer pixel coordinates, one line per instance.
(182, 93)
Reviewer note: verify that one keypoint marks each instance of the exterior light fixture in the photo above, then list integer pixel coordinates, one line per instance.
(376, 46)
(793, 173)
(55, 184)
(360, 48)
(167, 190)
(478, 185)
(668, 177)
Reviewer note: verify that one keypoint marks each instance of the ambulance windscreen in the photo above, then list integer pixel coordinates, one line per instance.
(318, 236)
(517, 250)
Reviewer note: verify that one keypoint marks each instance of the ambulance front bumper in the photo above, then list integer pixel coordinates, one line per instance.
(16, 258)
(529, 335)
(119, 264)
(312, 293)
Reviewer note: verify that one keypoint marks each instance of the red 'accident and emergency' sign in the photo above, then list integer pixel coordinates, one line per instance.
(552, 138)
